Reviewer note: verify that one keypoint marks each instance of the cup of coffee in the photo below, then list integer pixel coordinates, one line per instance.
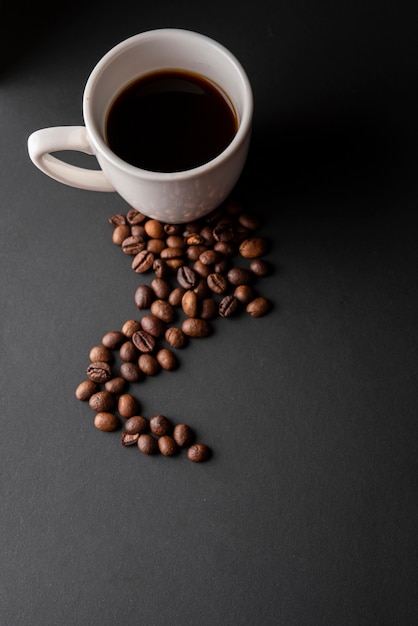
(168, 117)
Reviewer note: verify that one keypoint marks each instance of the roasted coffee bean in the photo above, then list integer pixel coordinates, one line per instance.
(183, 435)
(217, 283)
(198, 452)
(153, 325)
(113, 339)
(174, 264)
(128, 405)
(251, 222)
(160, 425)
(240, 276)
(99, 372)
(221, 267)
(173, 229)
(135, 217)
(154, 229)
(202, 290)
(107, 422)
(166, 359)
(172, 253)
(149, 365)
(136, 425)
(117, 220)
(131, 372)
(190, 303)
(137, 230)
(155, 246)
(209, 257)
(129, 439)
(115, 385)
(175, 241)
(258, 307)
(175, 337)
(244, 293)
(100, 353)
(121, 233)
(163, 310)
(207, 234)
(102, 401)
(143, 340)
(196, 327)
(128, 352)
(202, 269)
(167, 445)
(130, 327)
(161, 288)
(253, 247)
(143, 261)
(228, 306)
(133, 244)
(227, 248)
(160, 268)
(176, 296)
(86, 389)
(224, 231)
(208, 309)
(186, 277)
(193, 252)
(144, 296)
(260, 267)
(147, 444)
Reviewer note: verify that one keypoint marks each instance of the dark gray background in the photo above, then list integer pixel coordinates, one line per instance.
(307, 513)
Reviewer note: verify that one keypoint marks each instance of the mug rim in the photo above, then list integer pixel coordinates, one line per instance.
(102, 147)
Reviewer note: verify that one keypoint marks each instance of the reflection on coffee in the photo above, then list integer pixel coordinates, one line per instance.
(170, 120)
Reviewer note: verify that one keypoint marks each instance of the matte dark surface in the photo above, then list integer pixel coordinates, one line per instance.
(307, 513)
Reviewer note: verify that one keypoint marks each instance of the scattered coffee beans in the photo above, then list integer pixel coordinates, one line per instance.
(196, 279)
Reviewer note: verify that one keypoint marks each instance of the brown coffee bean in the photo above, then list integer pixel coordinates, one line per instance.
(258, 307)
(207, 234)
(160, 268)
(251, 222)
(100, 353)
(175, 337)
(175, 241)
(128, 405)
(196, 327)
(202, 290)
(183, 435)
(149, 365)
(209, 257)
(171, 253)
(224, 231)
(147, 444)
(167, 445)
(173, 229)
(113, 339)
(186, 277)
(176, 295)
(227, 248)
(155, 246)
(117, 220)
(166, 359)
(160, 425)
(153, 325)
(143, 261)
(135, 217)
(129, 439)
(217, 283)
(260, 267)
(102, 401)
(143, 340)
(198, 453)
(253, 247)
(86, 389)
(193, 252)
(131, 372)
(99, 372)
(228, 306)
(208, 309)
(144, 296)
(240, 276)
(163, 310)
(130, 327)
(128, 352)
(190, 304)
(154, 229)
(133, 244)
(202, 269)
(174, 264)
(121, 233)
(115, 385)
(107, 422)
(137, 424)
(161, 288)
(244, 293)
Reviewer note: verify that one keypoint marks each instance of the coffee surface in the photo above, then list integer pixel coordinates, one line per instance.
(169, 121)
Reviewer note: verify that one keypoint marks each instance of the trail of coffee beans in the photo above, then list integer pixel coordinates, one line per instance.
(198, 272)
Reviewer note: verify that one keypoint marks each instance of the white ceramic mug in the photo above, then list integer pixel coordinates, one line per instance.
(174, 197)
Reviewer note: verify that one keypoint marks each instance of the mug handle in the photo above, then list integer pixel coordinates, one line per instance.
(46, 140)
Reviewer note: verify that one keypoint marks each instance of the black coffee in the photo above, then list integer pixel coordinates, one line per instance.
(169, 121)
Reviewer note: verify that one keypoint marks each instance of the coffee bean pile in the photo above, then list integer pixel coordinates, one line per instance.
(195, 278)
